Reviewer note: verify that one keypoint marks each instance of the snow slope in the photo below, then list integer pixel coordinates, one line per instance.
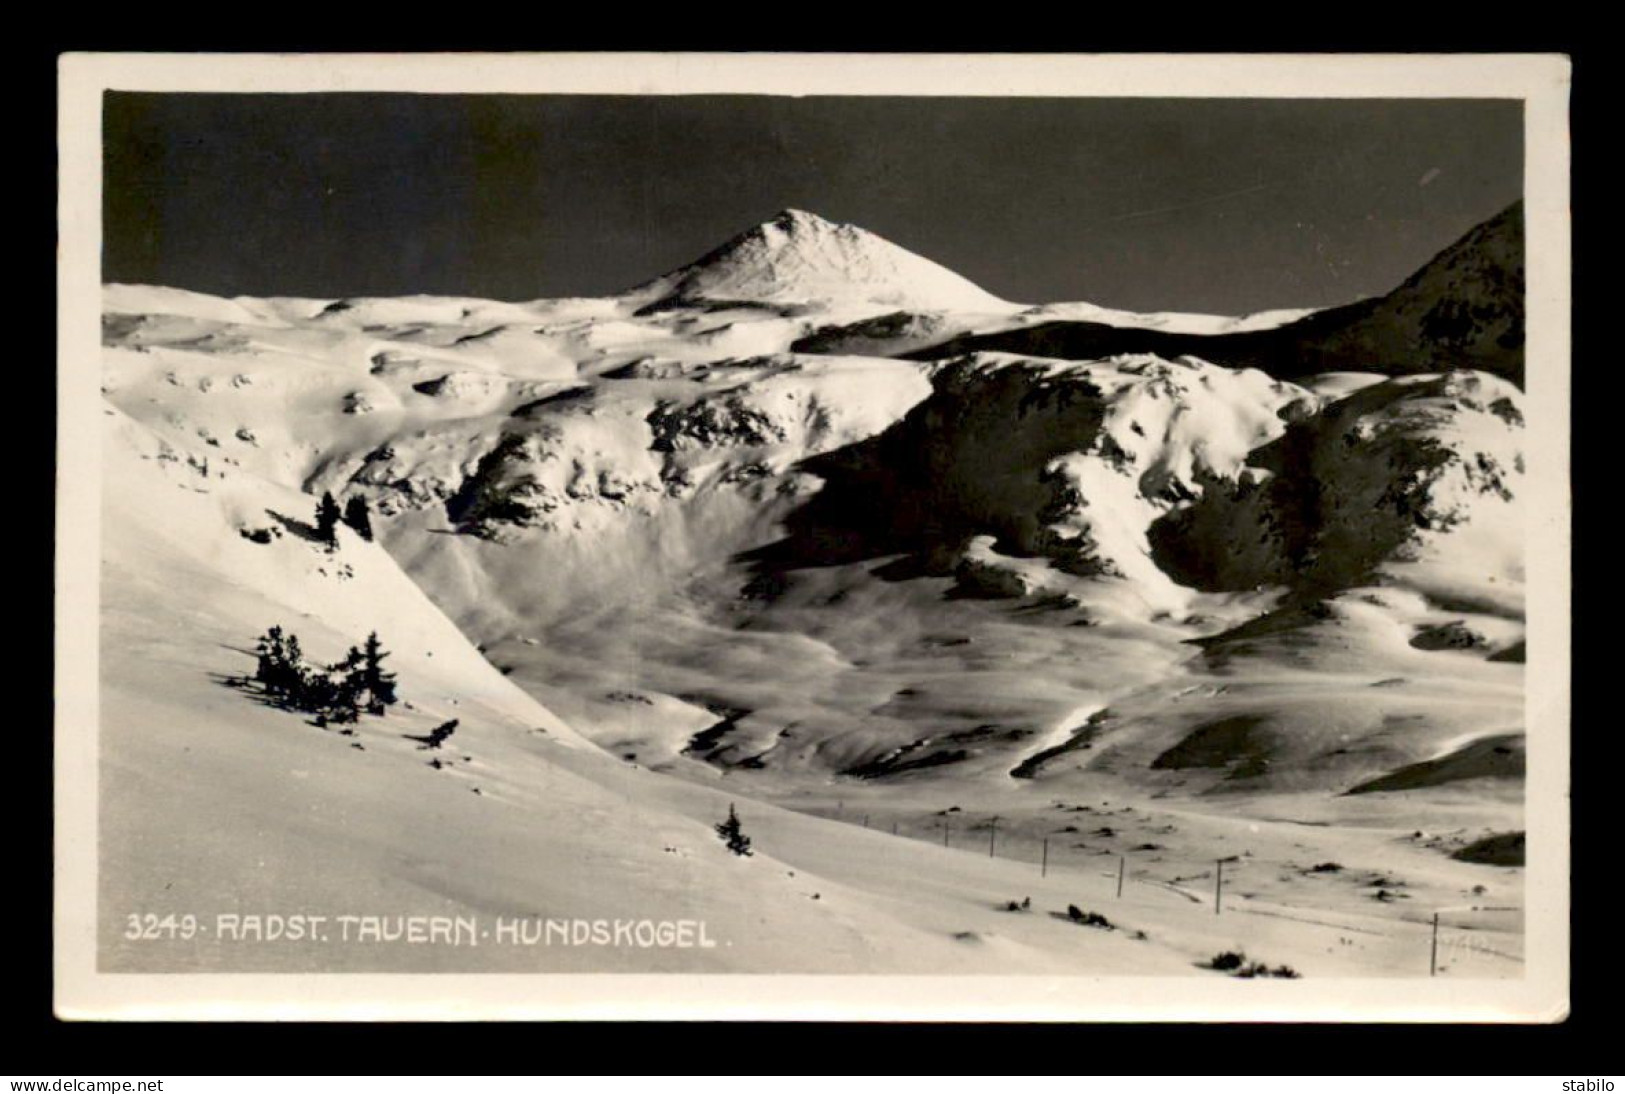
(1230, 614)
(213, 801)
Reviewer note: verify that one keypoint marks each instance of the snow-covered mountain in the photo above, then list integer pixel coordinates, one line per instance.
(1464, 309)
(799, 258)
(720, 544)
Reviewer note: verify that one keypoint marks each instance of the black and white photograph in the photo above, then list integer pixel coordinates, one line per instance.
(942, 537)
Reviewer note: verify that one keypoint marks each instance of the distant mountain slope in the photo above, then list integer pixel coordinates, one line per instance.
(798, 257)
(900, 332)
(1463, 310)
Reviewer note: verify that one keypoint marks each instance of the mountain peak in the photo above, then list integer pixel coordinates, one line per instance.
(790, 226)
(801, 219)
(798, 257)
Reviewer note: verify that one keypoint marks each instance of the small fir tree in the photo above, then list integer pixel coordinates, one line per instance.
(342, 694)
(266, 651)
(378, 685)
(358, 516)
(733, 834)
(339, 692)
(279, 667)
(327, 519)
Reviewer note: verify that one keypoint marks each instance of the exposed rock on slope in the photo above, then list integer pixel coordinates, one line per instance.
(1368, 482)
(627, 448)
(1065, 463)
(879, 336)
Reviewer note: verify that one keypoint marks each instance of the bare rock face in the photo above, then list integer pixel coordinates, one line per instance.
(729, 421)
(1042, 467)
(1377, 477)
(1463, 310)
(501, 491)
(881, 335)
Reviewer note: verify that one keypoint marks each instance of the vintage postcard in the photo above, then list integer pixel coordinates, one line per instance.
(696, 536)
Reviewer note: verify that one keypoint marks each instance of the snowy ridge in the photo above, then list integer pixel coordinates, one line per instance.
(1463, 310)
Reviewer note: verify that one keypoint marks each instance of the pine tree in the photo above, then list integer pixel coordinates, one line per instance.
(344, 700)
(358, 516)
(316, 697)
(279, 669)
(335, 693)
(268, 655)
(327, 519)
(378, 685)
(352, 662)
(332, 693)
(298, 684)
(733, 834)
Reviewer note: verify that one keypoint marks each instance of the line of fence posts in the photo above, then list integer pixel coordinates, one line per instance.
(1122, 872)
(993, 845)
(1043, 856)
(1122, 866)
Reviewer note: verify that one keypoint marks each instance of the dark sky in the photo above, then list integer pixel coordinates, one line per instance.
(1200, 205)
